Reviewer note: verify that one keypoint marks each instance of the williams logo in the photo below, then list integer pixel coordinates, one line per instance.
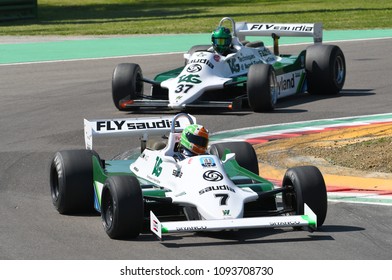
(226, 212)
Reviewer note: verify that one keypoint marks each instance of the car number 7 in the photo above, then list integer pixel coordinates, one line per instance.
(223, 198)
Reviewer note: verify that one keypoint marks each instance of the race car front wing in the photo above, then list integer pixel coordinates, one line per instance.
(309, 220)
(140, 103)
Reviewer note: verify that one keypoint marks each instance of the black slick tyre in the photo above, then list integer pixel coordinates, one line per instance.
(245, 155)
(305, 184)
(71, 181)
(262, 88)
(122, 207)
(127, 83)
(325, 69)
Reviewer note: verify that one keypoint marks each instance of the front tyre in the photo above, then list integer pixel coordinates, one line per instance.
(71, 181)
(325, 69)
(127, 83)
(122, 207)
(262, 88)
(305, 184)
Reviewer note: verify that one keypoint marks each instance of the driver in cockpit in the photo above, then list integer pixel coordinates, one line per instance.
(221, 41)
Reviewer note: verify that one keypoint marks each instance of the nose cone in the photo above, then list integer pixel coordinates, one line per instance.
(221, 202)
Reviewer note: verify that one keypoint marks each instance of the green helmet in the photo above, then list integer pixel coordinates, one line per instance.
(194, 138)
(221, 39)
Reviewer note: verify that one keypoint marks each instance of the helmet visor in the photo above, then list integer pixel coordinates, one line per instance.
(197, 140)
(221, 41)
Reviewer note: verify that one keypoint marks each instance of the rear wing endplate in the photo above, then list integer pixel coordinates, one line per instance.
(315, 30)
(142, 127)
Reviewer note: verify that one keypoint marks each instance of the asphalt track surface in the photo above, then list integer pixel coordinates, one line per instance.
(42, 110)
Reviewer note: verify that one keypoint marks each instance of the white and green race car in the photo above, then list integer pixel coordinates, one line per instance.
(152, 188)
(250, 74)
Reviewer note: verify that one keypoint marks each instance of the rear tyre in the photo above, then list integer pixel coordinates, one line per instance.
(122, 208)
(262, 88)
(71, 181)
(127, 83)
(245, 155)
(325, 69)
(306, 185)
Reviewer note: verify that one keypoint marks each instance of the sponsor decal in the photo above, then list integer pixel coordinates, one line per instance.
(270, 59)
(191, 78)
(207, 162)
(217, 58)
(264, 52)
(212, 175)
(177, 173)
(237, 67)
(226, 212)
(157, 167)
(203, 61)
(285, 84)
(155, 225)
(302, 28)
(295, 223)
(194, 68)
(195, 228)
(201, 54)
(118, 125)
(245, 58)
(216, 188)
(234, 66)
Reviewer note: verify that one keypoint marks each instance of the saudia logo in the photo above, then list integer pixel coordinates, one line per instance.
(285, 84)
(217, 188)
(124, 125)
(306, 28)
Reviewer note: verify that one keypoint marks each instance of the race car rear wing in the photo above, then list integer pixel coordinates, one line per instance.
(314, 30)
(142, 127)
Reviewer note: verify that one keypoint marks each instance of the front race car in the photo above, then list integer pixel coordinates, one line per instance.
(157, 187)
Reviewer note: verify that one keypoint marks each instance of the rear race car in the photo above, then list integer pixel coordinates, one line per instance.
(158, 189)
(250, 75)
